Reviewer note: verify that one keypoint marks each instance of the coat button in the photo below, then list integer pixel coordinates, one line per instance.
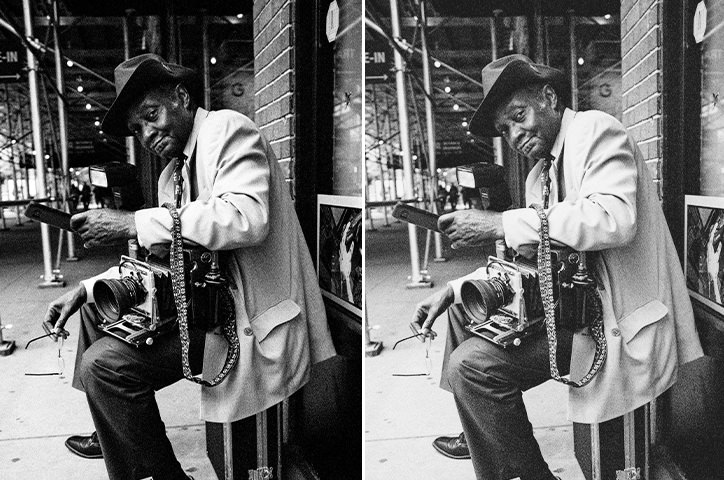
(248, 332)
(616, 332)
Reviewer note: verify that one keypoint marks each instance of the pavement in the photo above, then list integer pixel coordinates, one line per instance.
(37, 413)
(404, 414)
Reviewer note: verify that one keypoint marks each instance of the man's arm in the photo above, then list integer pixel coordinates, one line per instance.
(236, 214)
(604, 215)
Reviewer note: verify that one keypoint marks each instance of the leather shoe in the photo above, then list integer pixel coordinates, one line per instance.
(452, 447)
(85, 446)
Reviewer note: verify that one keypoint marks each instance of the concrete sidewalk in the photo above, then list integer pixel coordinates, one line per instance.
(404, 414)
(37, 413)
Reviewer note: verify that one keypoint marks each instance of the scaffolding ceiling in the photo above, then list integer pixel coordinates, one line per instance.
(92, 38)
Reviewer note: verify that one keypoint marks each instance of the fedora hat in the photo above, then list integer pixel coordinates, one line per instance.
(504, 76)
(136, 76)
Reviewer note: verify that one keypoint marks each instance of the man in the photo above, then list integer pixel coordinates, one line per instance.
(602, 199)
(234, 199)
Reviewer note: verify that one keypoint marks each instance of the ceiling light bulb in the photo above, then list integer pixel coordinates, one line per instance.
(69, 63)
(465, 124)
(213, 60)
(239, 16)
(456, 107)
(79, 88)
(437, 64)
(447, 89)
(88, 106)
(607, 16)
(96, 123)
(581, 61)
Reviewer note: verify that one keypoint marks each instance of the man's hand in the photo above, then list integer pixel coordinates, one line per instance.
(432, 307)
(104, 226)
(61, 309)
(472, 228)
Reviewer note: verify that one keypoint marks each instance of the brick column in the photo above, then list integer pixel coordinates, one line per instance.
(274, 77)
(641, 71)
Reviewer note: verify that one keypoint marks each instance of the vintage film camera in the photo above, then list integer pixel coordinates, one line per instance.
(506, 307)
(140, 306)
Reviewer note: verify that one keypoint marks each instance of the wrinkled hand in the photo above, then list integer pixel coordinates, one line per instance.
(430, 308)
(104, 226)
(61, 309)
(471, 228)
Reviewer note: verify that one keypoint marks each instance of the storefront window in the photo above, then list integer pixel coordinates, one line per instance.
(712, 103)
(348, 100)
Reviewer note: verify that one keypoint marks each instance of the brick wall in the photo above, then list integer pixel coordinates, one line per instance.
(274, 77)
(641, 78)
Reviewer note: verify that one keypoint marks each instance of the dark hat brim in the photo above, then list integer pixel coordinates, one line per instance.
(516, 75)
(149, 74)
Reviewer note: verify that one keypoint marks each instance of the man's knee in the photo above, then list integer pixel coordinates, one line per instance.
(471, 363)
(95, 365)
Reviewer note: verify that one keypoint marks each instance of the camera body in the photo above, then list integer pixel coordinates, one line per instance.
(140, 306)
(507, 306)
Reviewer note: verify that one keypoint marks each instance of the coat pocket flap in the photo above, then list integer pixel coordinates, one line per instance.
(280, 313)
(646, 314)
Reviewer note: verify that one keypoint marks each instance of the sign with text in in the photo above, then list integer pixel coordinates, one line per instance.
(11, 62)
(378, 60)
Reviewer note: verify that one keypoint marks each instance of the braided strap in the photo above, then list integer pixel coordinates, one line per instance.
(179, 294)
(594, 310)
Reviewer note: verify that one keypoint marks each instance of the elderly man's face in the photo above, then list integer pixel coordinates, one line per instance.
(162, 120)
(529, 122)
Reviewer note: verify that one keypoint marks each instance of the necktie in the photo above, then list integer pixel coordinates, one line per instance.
(178, 180)
(545, 179)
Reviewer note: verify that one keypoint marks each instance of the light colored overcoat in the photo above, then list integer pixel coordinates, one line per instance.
(611, 207)
(241, 204)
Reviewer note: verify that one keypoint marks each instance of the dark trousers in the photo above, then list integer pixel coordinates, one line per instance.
(487, 382)
(120, 382)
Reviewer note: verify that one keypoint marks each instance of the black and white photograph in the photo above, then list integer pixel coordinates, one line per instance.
(704, 259)
(339, 250)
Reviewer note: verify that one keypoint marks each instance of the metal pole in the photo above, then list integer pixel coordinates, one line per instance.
(574, 59)
(379, 152)
(12, 155)
(21, 151)
(49, 279)
(130, 142)
(62, 127)
(416, 279)
(388, 151)
(430, 120)
(497, 141)
(206, 59)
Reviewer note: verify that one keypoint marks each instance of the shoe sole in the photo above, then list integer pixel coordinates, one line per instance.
(449, 455)
(81, 454)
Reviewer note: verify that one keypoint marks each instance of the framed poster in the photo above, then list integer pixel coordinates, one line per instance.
(339, 250)
(703, 245)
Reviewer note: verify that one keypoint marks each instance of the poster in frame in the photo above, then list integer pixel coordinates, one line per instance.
(703, 244)
(339, 250)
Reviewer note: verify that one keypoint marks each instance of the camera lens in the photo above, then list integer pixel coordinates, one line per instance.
(482, 297)
(115, 297)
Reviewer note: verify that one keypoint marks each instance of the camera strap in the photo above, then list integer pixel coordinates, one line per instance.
(179, 294)
(594, 306)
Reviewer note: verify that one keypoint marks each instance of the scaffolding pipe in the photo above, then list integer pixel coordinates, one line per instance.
(62, 127)
(379, 153)
(497, 141)
(430, 121)
(574, 59)
(12, 156)
(130, 141)
(49, 279)
(415, 277)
